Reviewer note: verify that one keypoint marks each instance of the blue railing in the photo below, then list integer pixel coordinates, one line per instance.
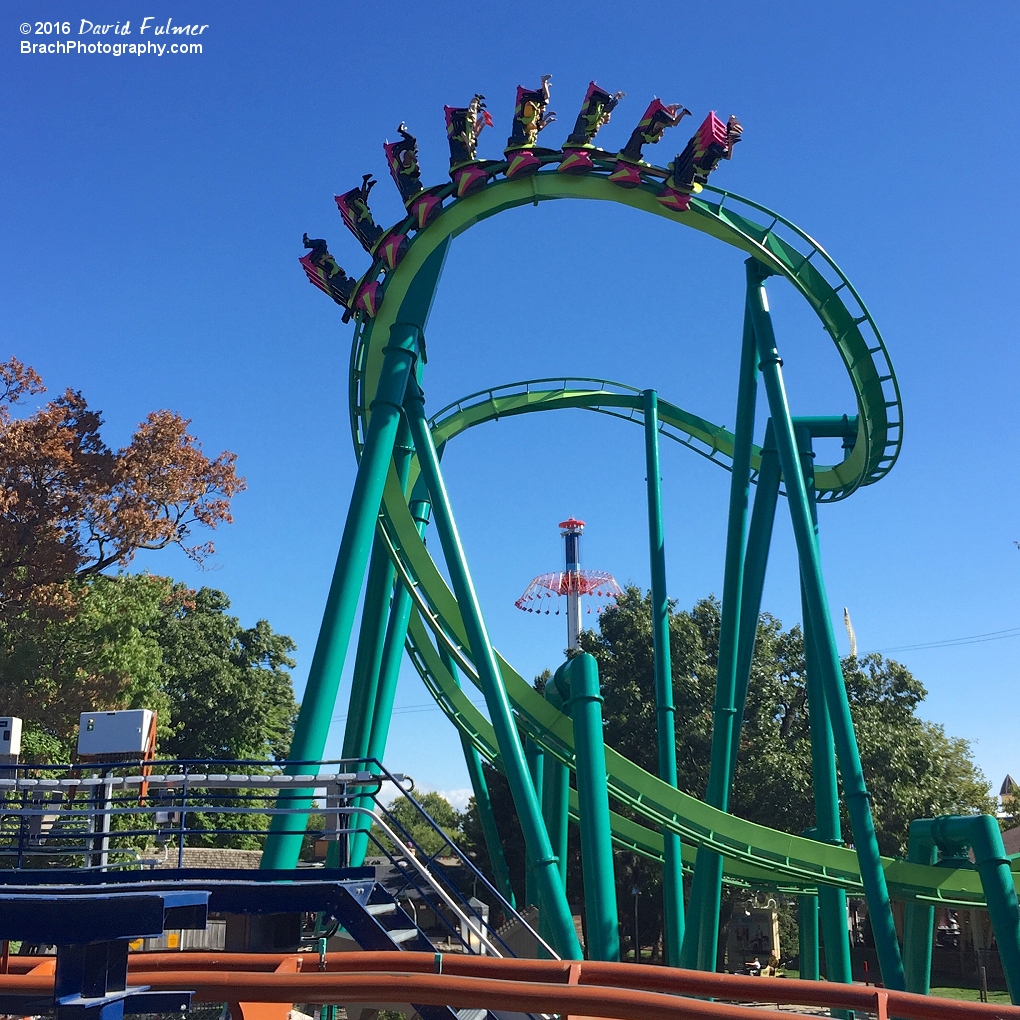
(136, 815)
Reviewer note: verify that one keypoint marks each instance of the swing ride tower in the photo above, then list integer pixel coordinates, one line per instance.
(572, 582)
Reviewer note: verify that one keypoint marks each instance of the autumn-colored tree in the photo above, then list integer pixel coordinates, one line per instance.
(71, 507)
(73, 638)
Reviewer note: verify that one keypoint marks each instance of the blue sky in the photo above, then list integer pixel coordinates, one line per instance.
(154, 208)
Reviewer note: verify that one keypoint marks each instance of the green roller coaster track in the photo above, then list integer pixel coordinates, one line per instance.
(812, 272)
(438, 636)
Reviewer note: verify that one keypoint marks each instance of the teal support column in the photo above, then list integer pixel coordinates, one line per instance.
(854, 786)
(483, 801)
(283, 845)
(536, 766)
(756, 556)
(555, 806)
(556, 794)
(665, 711)
(375, 614)
(952, 834)
(807, 924)
(919, 919)
(831, 901)
(552, 893)
(580, 675)
(701, 940)
(400, 614)
(380, 710)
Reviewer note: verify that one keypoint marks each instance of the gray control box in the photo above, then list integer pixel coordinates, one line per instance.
(10, 736)
(107, 734)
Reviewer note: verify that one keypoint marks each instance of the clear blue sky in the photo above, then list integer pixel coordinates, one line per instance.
(153, 212)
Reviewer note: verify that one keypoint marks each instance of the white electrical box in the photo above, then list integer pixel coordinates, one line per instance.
(111, 734)
(10, 736)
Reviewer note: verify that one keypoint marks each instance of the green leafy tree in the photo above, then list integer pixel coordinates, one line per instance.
(227, 687)
(92, 648)
(221, 690)
(913, 768)
(410, 820)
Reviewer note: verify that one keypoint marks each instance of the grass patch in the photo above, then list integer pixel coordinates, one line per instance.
(971, 995)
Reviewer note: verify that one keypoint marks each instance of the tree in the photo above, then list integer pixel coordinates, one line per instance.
(73, 638)
(227, 688)
(409, 819)
(913, 768)
(137, 640)
(93, 649)
(70, 507)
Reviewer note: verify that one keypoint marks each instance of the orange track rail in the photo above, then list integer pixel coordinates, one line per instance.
(623, 991)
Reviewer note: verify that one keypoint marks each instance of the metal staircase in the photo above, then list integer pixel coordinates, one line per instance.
(42, 821)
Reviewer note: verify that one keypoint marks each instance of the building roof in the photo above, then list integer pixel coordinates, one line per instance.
(1011, 841)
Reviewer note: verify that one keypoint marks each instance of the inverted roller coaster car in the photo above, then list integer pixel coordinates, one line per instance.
(323, 271)
(595, 111)
(357, 216)
(530, 117)
(712, 142)
(463, 126)
(658, 117)
(402, 158)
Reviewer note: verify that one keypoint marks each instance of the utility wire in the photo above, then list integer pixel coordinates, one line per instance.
(972, 639)
(430, 706)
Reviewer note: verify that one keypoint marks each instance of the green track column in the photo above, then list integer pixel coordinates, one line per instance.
(380, 599)
(701, 940)
(807, 927)
(379, 710)
(374, 614)
(919, 918)
(283, 844)
(529, 812)
(952, 834)
(483, 801)
(556, 794)
(602, 923)
(374, 619)
(665, 711)
(854, 786)
(536, 766)
(831, 901)
(756, 556)
(555, 806)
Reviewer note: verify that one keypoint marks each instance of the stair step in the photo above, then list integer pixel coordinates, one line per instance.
(472, 1014)
(376, 909)
(400, 935)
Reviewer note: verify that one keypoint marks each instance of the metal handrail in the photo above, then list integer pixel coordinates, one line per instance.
(196, 787)
(507, 908)
(423, 871)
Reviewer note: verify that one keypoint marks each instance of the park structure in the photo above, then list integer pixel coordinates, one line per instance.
(400, 488)
(538, 741)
